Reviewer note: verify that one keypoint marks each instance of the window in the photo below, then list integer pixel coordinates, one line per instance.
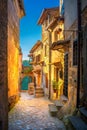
(75, 52)
(45, 50)
(38, 58)
(56, 73)
(55, 36)
(86, 51)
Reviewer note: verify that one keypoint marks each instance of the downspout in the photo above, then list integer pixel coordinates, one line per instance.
(79, 48)
(49, 33)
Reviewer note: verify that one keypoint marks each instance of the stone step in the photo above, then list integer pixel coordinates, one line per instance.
(39, 90)
(77, 123)
(83, 112)
(39, 95)
(53, 110)
(58, 104)
(63, 99)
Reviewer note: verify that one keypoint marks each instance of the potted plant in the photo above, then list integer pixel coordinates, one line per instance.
(55, 85)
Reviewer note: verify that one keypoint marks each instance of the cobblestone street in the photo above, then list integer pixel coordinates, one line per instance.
(32, 114)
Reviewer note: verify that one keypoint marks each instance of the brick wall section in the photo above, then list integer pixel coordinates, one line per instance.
(3, 66)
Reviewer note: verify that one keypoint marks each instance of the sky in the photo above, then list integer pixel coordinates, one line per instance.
(30, 31)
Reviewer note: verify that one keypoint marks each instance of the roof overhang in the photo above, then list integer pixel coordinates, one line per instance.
(30, 55)
(62, 44)
(61, 18)
(56, 63)
(37, 69)
(55, 22)
(36, 46)
(47, 11)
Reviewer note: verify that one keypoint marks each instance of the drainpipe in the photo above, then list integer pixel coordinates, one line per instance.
(79, 43)
(49, 33)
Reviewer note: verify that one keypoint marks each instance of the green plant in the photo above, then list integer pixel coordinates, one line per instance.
(55, 84)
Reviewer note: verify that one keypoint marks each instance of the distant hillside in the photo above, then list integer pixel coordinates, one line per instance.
(25, 63)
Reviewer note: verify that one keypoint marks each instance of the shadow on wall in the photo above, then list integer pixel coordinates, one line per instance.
(25, 81)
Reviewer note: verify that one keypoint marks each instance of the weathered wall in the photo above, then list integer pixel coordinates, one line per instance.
(71, 11)
(72, 71)
(20, 67)
(57, 56)
(70, 7)
(84, 4)
(3, 66)
(13, 51)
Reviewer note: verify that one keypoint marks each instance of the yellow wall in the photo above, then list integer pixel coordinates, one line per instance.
(13, 48)
(57, 56)
(13, 68)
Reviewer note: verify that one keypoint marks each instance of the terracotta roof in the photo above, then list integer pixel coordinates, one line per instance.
(38, 43)
(30, 55)
(47, 11)
(59, 44)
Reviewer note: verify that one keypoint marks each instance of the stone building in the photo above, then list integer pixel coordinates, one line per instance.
(36, 55)
(36, 52)
(70, 55)
(10, 14)
(48, 22)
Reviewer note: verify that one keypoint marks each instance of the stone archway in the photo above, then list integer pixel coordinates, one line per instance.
(25, 79)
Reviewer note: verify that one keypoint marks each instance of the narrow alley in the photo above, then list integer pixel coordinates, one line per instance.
(32, 114)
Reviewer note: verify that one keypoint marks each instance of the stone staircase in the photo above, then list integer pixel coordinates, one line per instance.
(75, 122)
(78, 122)
(39, 92)
(55, 107)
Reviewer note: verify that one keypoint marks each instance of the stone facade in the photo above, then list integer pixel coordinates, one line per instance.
(13, 51)
(36, 52)
(71, 24)
(10, 13)
(49, 34)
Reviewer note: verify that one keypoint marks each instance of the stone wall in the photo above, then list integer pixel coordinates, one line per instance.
(70, 12)
(3, 66)
(72, 72)
(13, 52)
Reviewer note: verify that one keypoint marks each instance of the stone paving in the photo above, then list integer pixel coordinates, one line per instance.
(33, 114)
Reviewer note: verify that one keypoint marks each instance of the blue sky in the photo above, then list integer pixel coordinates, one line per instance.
(30, 32)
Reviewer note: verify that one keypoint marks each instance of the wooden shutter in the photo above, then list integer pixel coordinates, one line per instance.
(65, 90)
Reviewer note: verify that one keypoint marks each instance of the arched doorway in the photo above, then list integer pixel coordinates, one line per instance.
(25, 81)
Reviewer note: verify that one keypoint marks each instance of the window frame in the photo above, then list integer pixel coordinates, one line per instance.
(75, 53)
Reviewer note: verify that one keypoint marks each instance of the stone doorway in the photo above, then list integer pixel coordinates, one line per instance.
(25, 81)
